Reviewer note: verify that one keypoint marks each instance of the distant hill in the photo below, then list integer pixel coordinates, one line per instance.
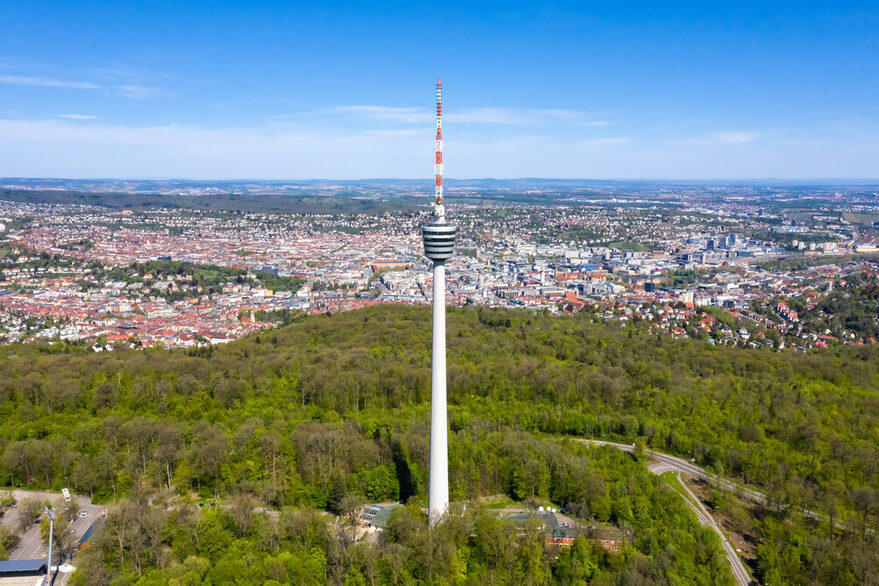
(225, 202)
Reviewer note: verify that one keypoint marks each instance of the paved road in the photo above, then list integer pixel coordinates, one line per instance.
(665, 463)
(738, 568)
(682, 465)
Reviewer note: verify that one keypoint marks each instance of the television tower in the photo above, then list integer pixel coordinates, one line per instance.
(439, 244)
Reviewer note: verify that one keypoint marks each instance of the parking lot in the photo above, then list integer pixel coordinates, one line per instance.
(31, 546)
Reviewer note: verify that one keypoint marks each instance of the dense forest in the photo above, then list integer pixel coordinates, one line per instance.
(331, 411)
(233, 544)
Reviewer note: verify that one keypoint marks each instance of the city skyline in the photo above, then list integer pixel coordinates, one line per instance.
(274, 92)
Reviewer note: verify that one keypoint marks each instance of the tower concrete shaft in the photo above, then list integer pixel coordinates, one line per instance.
(438, 495)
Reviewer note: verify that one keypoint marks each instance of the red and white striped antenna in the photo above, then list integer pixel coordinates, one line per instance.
(439, 210)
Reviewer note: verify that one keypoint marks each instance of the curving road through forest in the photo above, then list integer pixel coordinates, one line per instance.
(679, 465)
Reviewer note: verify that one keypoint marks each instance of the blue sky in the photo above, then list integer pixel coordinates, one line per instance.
(280, 90)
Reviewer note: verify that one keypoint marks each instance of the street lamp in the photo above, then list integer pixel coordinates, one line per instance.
(51, 530)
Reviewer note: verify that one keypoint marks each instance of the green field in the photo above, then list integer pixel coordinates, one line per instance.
(861, 218)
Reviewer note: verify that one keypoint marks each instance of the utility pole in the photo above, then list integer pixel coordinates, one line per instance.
(51, 532)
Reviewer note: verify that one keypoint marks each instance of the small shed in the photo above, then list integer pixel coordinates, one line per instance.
(378, 515)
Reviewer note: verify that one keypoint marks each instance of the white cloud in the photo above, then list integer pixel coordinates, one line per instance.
(63, 147)
(67, 148)
(598, 123)
(407, 115)
(418, 115)
(130, 90)
(735, 137)
(138, 92)
(606, 141)
(76, 116)
(484, 116)
(47, 82)
(557, 113)
(361, 112)
(732, 138)
(511, 116)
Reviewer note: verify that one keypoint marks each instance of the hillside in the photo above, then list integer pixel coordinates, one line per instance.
(336, 406)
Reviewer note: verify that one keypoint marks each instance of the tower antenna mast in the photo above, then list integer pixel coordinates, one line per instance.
(439, 210)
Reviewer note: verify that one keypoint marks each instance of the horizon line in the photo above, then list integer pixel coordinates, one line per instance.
(428, 180)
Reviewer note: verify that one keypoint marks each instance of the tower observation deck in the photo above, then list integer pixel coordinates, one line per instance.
(439, 241)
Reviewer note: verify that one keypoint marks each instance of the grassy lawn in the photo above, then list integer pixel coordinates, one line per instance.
(207, 274)
(860, 218)
(629, 245)
(671, 478)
